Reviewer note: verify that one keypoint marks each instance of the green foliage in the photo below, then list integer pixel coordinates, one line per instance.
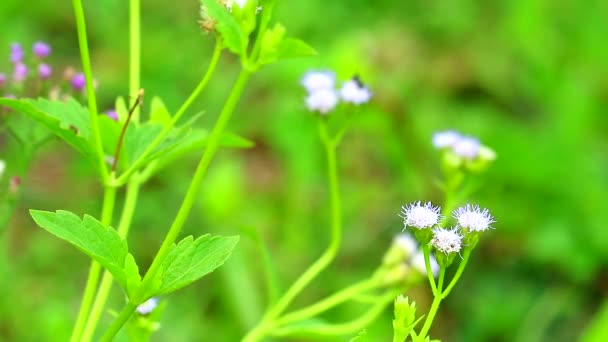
(276, 46)
(100, 243)
(191, 259)
(229, 29)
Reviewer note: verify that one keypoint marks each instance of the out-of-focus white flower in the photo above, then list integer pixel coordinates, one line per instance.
(446, 240)
(322, 100)
(2, 168)
(319, 80)
(240, 3)
(473, 218)
(147, 306)
(420, 216)
(419, 264)
(406, 243)
(445, 139)
(353, 91)
(466, 147)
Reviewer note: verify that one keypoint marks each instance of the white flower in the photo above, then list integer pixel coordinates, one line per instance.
(446, 139)
(446, 241)
(466, 147)
(406, 243)
(318, 80)
(355, 92)
(2, 167)
(420, 216)
(240, 3)
(322, 100)
(419, 264)
(147, 306)
(473, 218)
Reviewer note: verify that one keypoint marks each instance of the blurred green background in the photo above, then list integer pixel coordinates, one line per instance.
(528, 77)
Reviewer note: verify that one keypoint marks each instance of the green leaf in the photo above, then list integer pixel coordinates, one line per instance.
(103, 244)
(159, 113)
(191, 259)
(293, 48)
(276, 46)
(68, 120)
(230, 30)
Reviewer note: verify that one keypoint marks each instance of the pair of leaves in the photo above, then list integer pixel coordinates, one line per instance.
(186, 262)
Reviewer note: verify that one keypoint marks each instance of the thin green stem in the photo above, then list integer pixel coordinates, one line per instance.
(326, 258)
(328, 303)
(106, 282)
(107, 211)
(434, 307)
(461, 267)
(88, 73)
(429, 271)
(122, 318)
(178, 115)
(191, 194)
(134, 52)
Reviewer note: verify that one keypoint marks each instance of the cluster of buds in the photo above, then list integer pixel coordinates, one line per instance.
(425, 220)
(323, 96)
(461, 150)
(23, 83)
(404, 262)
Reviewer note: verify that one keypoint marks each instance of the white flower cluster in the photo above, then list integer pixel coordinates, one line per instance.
(148, 306)
(463, 146)
(414, 256)
(323, 96)
(470, 218)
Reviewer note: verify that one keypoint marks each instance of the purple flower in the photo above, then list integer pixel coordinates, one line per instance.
(45, 71)
(112, 114)
(41, 49)
(78, 82)
(20, 72)
(16, 53)
(2, 79)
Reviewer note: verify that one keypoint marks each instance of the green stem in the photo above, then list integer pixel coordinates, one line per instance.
(182, 110)
(107, 210)
(461, 266)
(326, 258)
(327, 303)
(106, 281)
(429, 271)
(434, 307)
(122, 318)
(134, 52)
(88, 73)
(188, 202)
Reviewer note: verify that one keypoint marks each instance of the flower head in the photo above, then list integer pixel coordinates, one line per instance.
(420, 216)
(44, 71)
(322, 100)
(406, 243)
(466, 147)
(445, 139)
(473, 218)
(41, 49)
(16, 53)
(20, 72)
(446, 241)
(353, 91)
(318, 80)
(78, 82)
(420, 265)
(147, 306)
(112, 114)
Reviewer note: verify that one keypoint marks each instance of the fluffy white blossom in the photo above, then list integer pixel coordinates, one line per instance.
(319, 80)
(445, 139)
(420, 216)
(406, 243)
(419, 264)
(147, 306)
(473, 218)
(353, 91)
(466, 147)
(322, 100)
(446, 240)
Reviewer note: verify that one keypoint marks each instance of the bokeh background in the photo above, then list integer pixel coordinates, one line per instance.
(528, 77)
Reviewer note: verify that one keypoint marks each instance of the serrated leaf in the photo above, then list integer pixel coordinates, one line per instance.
(230, 30)
(68, 120)
(191, 259)
(103, 244)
